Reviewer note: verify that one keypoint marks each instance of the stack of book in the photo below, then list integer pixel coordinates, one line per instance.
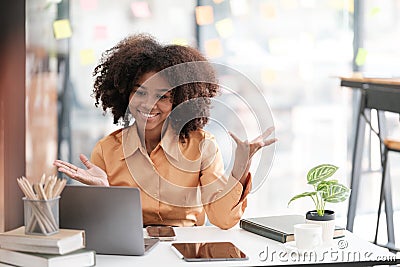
(65, 248)
(279, 228)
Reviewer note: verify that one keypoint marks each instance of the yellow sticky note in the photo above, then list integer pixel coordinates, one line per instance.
(350, 6)
(361, 56)
(204, 15)
(342, 5)
(224, 27)
(180, 41)
(213, 48)
(375, 11)
(140, 9)
(87, 56)
(62, 29)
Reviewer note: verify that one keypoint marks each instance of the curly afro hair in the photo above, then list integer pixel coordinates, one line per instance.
(122, 66)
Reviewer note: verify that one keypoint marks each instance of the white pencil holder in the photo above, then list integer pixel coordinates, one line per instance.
(41, 216)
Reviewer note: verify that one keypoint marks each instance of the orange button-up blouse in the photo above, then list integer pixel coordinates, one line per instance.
(180, 183)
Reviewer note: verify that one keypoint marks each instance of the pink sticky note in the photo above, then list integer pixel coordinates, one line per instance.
(140, 9)
(100, 32)
(204, 15)
(213, 48)
(88, 4)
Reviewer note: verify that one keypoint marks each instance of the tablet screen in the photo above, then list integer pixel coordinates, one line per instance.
(209, 251)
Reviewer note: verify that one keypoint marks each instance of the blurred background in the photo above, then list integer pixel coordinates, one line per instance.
(291, 50)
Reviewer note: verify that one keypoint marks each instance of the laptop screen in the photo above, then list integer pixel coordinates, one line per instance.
(110, 216)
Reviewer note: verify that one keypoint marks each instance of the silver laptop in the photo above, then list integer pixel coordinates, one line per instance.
(110, 216)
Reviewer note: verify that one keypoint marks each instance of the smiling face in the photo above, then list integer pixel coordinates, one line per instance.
(150, 102)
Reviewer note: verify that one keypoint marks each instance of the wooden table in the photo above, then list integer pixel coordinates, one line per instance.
(356, 79)
(382, 94)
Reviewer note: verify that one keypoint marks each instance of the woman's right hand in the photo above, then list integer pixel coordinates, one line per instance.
(93, 175)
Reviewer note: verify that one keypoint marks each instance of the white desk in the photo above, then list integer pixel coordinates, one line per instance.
(252, 245)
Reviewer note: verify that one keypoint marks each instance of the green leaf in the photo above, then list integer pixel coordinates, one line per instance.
(331, 182)
(323, 186)
(305, 194)
(320, 173)
(336, 193)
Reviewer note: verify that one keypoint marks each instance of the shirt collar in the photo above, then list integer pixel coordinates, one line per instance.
(130, 142)
(170, 143)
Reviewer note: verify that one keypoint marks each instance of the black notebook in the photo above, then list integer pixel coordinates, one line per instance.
(279, 228)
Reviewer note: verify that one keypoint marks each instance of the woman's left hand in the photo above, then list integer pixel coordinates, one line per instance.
(245, 150)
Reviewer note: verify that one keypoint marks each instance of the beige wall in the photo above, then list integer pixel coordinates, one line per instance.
(12, 111)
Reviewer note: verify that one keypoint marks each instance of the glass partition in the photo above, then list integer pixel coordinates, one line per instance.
(292, 50)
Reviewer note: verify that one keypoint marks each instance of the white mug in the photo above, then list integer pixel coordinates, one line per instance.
(307, 235)
(328, 229)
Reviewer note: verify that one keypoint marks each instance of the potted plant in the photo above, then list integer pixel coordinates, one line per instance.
(324, 191)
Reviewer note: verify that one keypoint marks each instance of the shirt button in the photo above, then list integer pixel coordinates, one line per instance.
(238, 191)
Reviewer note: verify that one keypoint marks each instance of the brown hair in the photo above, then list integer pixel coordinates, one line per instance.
(123, 65)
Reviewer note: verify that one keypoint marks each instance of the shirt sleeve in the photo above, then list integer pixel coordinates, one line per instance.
(224, 198)
(97, 157)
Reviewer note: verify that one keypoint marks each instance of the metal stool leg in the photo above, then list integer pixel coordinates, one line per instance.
(384, 163)
(387, 195)
(389, 205)
(356, 162)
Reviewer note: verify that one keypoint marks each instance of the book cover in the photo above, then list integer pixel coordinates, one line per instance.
(65, 241)
(77, 258)
(279, 228)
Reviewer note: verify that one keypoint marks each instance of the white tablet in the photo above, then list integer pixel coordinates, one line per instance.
(208, 251)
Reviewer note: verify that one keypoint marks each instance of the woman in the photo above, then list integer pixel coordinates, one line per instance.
(177, 165)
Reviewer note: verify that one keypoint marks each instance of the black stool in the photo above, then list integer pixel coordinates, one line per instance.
(388, 145)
